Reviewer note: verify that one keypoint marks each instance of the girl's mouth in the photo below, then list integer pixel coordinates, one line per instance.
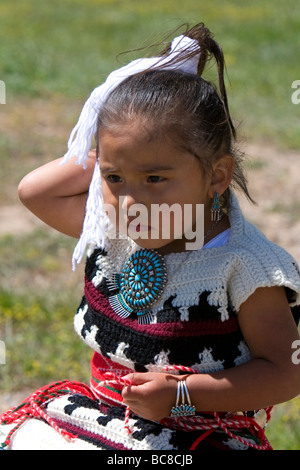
(141, 228)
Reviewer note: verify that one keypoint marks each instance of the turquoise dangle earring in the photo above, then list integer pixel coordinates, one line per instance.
(216, 211)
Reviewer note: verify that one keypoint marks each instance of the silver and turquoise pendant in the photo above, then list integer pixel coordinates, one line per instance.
(140, 285)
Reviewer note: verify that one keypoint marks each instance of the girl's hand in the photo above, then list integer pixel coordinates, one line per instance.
(151, 395)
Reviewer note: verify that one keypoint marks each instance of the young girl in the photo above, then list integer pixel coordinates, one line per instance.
(192, 347)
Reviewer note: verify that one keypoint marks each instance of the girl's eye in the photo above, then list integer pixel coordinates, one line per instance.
(155, 179)
(113, 179)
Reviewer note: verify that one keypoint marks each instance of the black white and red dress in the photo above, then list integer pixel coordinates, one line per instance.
(193, 328)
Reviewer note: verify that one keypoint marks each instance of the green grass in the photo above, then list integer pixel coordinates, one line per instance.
(39, 296)
(67, 48)
(283, 430)
(53, 53)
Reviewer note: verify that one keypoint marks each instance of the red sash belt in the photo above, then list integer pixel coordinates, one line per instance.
(101, 368)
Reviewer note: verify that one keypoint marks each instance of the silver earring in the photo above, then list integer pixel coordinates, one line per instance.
(216, 211)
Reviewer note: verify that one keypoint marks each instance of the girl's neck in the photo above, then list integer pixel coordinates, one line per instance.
(212, 231)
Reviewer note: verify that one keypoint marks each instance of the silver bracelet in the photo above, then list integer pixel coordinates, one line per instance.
(185, 408)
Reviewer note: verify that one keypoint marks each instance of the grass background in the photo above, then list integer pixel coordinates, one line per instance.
(52, 54)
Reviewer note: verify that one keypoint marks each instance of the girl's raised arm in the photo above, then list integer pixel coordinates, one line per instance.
(57, 194)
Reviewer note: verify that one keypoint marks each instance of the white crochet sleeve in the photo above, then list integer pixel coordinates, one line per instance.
(261, 263)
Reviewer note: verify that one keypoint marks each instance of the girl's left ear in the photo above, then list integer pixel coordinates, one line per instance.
(221, 175)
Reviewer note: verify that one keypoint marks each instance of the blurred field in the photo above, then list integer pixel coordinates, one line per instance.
(52, 55)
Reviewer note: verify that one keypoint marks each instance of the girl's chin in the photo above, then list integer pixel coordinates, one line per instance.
(162, 246)
(147, 238)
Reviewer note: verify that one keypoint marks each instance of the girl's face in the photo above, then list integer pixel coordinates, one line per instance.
(142, 179)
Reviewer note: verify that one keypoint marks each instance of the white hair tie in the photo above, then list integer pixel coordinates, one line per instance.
(80, 141)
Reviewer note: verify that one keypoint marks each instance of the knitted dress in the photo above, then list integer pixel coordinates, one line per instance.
(193, 328)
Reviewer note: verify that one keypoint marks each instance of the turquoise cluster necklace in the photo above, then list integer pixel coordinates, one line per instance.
(140, 284)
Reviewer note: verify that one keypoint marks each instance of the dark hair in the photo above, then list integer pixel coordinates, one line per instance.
(186, 106)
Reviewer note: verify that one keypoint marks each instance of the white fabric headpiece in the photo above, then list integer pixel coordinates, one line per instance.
(80, 141)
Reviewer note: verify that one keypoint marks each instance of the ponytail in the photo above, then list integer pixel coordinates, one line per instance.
(208, 48)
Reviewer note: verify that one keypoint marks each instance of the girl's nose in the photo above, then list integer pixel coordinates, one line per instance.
(132, 206)
(128, 201)
(133, 196)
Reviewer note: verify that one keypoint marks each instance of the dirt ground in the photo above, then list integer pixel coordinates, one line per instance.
(274, 184)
